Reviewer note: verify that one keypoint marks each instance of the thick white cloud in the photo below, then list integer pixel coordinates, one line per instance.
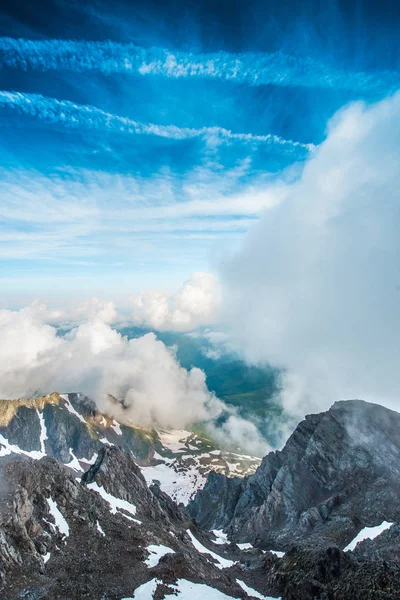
(196, 303)
(95, 359)
(315, 288)
(73, 314)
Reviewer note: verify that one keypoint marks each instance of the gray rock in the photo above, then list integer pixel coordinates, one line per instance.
(338, 472)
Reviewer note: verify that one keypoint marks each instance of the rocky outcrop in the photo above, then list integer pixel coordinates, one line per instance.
(329, 574)
(338, 472)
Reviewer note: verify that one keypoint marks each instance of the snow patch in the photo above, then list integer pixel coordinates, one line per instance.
(368, 533)
(251, 592)
(155, 553)
(222, 537)
(246, 546)
(99, 529)
(46, 557)
(277, 553)
(179, 485)
(103, 440)
(185, 590)
(175, 439)
(116, 504)
(223, 563)
(182, 590)
(145, 591)
(116, 428)
(61, 523)
(74, 463)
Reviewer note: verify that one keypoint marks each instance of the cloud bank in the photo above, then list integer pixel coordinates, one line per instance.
(69, 316)
(315, 289)
(195, 304)
(251, 68)
(95, 359)
(71, 115)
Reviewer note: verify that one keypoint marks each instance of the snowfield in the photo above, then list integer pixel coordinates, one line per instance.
(186, 462)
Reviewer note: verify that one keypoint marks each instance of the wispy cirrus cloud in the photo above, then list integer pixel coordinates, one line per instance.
(71, 115)
(254, 69)
(80, 215)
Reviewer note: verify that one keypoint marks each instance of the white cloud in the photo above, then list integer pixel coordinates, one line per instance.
(196, 303)
(74, 313)
(315, 288)
(69, 216)
(70, 115)
(275, 68)
(95, 359)
(102, 309)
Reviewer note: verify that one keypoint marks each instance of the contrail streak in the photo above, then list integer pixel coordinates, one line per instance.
(251, 68)
(81, 116)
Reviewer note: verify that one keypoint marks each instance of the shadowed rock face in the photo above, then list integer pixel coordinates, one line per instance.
(19, 434)
(329, 574)
(72, 424)
(338, 472)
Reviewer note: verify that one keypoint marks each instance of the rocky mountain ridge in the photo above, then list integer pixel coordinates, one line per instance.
(101, 527)
(338, 472)
(70, 428)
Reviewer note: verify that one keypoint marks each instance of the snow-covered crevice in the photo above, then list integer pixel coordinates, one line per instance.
(368, 533)
(222, 563)
(58, 517)
(71, 409)
(116, 504)
(252, 592)
(43, 432)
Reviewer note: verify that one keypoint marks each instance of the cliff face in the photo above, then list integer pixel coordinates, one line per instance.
(338, 472)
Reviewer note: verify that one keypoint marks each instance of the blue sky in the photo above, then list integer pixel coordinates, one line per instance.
(139, 141)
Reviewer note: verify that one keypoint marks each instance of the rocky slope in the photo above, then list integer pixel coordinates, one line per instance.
(79, 520)
(338, 473)
(100, 537)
